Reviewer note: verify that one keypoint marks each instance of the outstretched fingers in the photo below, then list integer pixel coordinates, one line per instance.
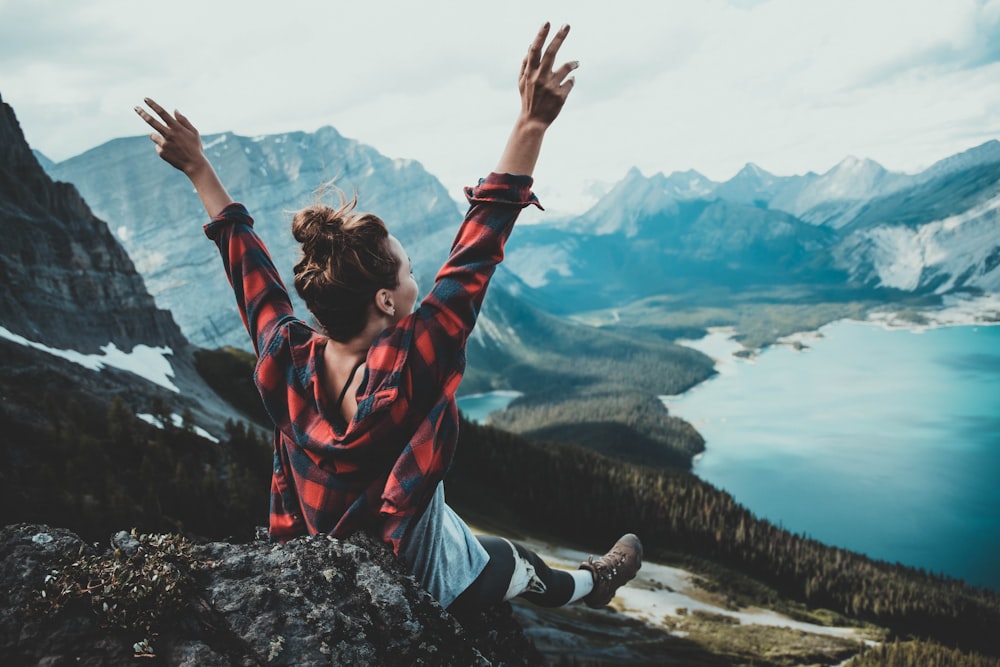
(177, 141)
(553, 48)
(534, 56)
(152, 122)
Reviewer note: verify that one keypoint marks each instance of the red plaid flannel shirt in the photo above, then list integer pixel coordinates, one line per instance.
(381, 470)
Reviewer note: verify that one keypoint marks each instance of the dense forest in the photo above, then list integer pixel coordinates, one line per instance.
(596, 386)
(624, 424)
(97, 469)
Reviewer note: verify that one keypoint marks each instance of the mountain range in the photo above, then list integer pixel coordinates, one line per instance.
(857, 226)
(157, 218)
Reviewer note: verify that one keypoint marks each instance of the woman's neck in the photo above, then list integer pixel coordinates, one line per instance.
(357, 347)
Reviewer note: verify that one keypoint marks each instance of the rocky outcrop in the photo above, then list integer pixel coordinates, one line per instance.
(312, 601)
(67, 282)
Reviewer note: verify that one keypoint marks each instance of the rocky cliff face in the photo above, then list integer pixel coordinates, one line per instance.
(73, 303)
(67, 283)
(313, 601)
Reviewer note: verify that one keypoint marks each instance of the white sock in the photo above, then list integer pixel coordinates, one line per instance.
(583, 583)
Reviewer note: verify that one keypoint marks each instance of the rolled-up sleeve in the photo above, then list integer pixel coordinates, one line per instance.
(446, 317)
(260, 295)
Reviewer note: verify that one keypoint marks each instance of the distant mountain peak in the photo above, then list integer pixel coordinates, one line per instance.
(688, 184)
(852, 178)
(751, 169)
(751, 175)
(634, 173)
(852, 164)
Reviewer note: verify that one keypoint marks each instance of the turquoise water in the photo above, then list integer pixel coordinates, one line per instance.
(886, 442)
(477, 407)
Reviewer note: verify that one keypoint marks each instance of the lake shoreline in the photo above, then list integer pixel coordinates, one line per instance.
(866, 406)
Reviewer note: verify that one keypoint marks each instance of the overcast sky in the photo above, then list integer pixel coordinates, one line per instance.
(791, 85)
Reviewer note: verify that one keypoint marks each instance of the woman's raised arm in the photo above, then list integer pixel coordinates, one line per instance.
(179, 144)
(543, 94)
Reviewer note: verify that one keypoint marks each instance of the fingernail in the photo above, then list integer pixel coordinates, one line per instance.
(575, 64)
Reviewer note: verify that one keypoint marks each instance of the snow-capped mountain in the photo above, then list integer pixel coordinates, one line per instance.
(751, 185)
(943, 255)
(856, 225)
(942, 234)
(835, 197)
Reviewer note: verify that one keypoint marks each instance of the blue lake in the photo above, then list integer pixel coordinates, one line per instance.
(885, 442)
(477, 407)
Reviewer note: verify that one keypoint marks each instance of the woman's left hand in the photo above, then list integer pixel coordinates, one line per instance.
(177, 141)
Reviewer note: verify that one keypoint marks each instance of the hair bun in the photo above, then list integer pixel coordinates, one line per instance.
(315, 223)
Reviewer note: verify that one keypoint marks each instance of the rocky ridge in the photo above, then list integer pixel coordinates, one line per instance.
(312, 601)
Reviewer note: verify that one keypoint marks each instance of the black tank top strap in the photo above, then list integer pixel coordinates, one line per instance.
(347, 385)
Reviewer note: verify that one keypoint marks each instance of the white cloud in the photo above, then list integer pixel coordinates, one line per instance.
(702, 84)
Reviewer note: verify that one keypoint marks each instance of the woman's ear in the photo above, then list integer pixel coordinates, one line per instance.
(383, 302)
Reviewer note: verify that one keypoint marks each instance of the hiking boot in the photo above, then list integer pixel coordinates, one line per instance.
(612, 570)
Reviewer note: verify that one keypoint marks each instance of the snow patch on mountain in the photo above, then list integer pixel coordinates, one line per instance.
(178, 422)
(959, 251)
(148, 362)
(489, 330)
(221, 139)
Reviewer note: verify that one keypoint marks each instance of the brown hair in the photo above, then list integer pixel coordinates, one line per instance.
(345, 262)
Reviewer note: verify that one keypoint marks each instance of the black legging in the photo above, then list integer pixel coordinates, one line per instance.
(491, 585)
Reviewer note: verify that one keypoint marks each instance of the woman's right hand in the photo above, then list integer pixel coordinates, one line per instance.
(179, 144)
(177, 141)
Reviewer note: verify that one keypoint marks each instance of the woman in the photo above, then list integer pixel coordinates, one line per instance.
(364, 412)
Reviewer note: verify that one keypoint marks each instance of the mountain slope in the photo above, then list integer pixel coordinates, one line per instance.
(59, 259)
(155, 215)
(911, 249)
(75, 316)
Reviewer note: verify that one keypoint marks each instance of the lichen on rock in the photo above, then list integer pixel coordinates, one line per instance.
(312, 601)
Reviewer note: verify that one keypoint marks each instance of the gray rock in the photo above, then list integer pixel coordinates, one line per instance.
(312, 601)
